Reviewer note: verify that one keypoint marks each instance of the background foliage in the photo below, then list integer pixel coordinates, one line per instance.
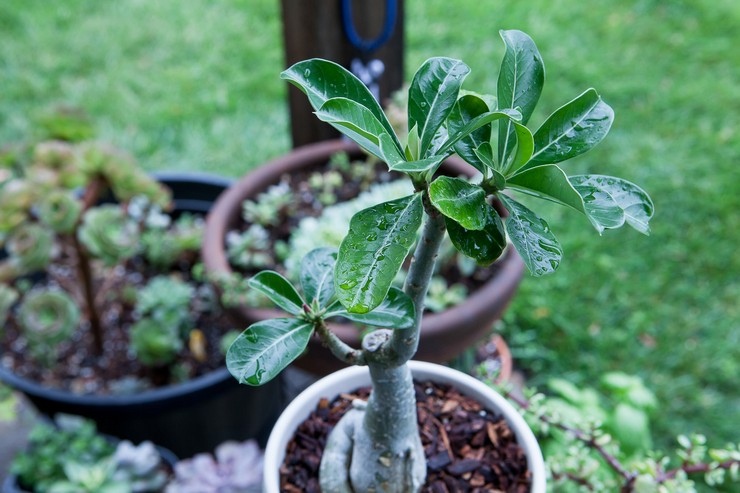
(194, 86)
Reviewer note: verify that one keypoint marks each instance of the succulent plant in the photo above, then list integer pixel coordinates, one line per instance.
(58, 161)
(163, 247)
(237, 468)
(60, 211)
(30, 247)
(441, 296)
(139, 466)
(16, 198)
(47, 317)
(269, 206)
(250, 248)
(109, 234)
(90, 478)
(165, 299)
(153, 343)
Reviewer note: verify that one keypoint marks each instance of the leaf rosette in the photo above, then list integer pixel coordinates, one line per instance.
(109, 234)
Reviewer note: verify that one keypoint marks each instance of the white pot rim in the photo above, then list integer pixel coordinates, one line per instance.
(358, 376)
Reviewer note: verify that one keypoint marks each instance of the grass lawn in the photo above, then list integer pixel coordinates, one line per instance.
(194, 86)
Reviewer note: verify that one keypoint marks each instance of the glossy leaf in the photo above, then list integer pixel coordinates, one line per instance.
(572, 129)
(466, 108)
(322, 80)
(532, 238)
(459, 200)
(317, 275)
(520, 83)
(371, 254)
(610, 201)
(485, 245)
(356, 122)
(432, 94)
(395, 312)
(279, 290)
(262, 351)
(548, 182)
(421, 165)
(412, 147)
(475, 124)
(523, 149)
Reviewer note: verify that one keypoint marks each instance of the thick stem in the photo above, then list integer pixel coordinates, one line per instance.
(341, 350)
(88, 293)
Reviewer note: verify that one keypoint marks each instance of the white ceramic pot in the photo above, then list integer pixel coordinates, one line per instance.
(353, 377)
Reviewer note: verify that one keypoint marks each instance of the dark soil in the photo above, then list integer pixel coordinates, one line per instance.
(79, 370)
(468, 448)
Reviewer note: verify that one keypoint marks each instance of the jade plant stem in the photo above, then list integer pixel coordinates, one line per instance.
(379, 440)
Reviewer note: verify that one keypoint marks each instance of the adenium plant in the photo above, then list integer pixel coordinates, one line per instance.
(376, 446)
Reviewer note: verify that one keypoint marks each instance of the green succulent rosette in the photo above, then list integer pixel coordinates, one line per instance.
(60, 211)
(16, 198)
(59, 160)
(108, 234)
(47, 317)
(30, 247)
(154, 343)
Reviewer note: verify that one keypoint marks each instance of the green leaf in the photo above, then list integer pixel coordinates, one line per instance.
(572, 129)
(485, 245)
(322, 80)
(371, 254)
(459, 200)
(524, 149)
(520, 83)
(421, 165)
(279, 290)
(432, 94)
(466, 108)
(395, 312)
(532, 238)
(610, 201)
(412, 147)
(356, 122)
(474, 124)
(548, 182)
(262, 351)
(317, 275)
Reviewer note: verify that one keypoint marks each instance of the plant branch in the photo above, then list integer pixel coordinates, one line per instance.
(341, 350)
(405, 342)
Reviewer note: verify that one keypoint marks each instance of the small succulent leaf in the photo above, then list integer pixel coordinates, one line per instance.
(262, 351)
(278, 289)
(610, 201)
(459, 200)
(317, 275)
(421, 165)
(395, 312)
(476, 123)
(524, 149)
(322, 80)
(466, 108)
(520, 83)
(356, 122)
(572, 129)
(483, 246)
(373, 251)
(548, 182)
(432, 94)
(532, 238)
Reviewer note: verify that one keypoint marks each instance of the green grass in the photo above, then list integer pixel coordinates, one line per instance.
(194, 86)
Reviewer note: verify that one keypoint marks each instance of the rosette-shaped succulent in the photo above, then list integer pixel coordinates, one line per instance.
(109, 234)
(154, 343)
(47, 317)
(237, 468)
(55, 162)
(30, 247)
(60, 211)
(8, 297)
(16, 198)
(139, 466)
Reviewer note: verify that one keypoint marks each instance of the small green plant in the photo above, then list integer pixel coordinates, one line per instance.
(599, 441)
(47, 317)
(269, 206)
(249, 249)
(376, 446)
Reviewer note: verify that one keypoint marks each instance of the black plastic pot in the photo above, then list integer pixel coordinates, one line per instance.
(189, 417)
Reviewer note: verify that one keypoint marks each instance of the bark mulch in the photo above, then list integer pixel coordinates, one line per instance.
(468, 448)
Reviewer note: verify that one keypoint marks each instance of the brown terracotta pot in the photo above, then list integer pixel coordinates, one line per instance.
(443, 335)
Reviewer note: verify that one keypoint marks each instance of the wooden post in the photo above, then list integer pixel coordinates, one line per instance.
(313, 28)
